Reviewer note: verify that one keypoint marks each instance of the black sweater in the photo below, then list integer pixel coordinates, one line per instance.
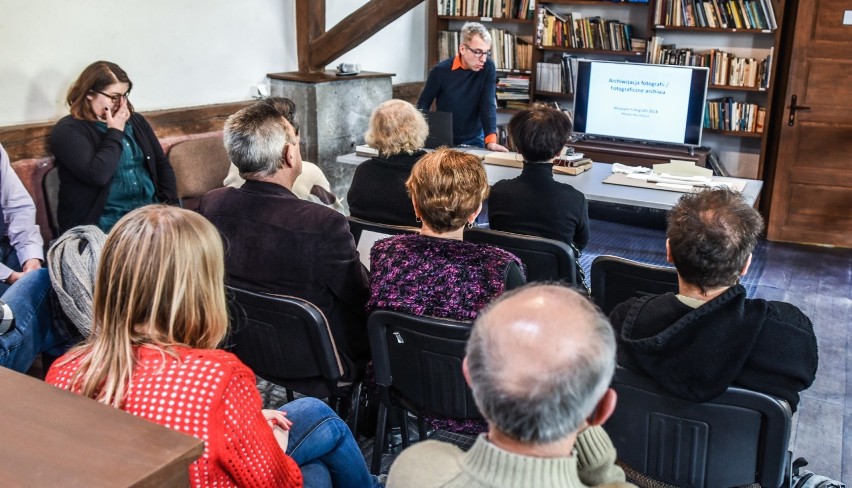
(695, 354)
(87, 160)
(378, 190)
(535, 204)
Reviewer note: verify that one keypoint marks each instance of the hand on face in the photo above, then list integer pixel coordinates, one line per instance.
(117, 119)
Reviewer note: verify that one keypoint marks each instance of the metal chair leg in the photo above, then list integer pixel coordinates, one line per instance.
(379, 440)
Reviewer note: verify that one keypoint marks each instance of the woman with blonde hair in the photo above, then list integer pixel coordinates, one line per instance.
(110, 161)
(397, 131)
(436, 273)
(159, 314)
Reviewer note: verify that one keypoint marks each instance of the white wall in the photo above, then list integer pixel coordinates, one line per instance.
(178, 53)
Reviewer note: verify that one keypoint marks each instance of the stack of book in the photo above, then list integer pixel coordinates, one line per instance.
(513, 91)
(515, 9)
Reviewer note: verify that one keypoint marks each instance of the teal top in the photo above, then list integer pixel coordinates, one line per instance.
(132, 186)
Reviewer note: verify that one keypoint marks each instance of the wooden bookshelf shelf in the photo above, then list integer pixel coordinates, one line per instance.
(506, 20)
(592, 51)
(553, 94)
(596, 2)
(686, 28)
(736, 88)
(734, 133)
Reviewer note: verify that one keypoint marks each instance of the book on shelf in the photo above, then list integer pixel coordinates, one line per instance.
(557, 77)
(734, 116)
(732, 14)
(726, 69)
(573, 30)
(508, 51)
(498, 9)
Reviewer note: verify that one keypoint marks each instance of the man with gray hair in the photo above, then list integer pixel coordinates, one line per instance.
(466, 86)
(277, 243)
(539, 361)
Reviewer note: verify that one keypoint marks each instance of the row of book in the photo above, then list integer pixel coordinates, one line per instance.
(513, 9)
(513, 91)
(726, 69)
(574, 31)
(729, 14)
(508, 51)
(557, 77)
(730, 115)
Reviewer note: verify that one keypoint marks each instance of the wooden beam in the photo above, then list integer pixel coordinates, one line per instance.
(310, 24)
(356, 28)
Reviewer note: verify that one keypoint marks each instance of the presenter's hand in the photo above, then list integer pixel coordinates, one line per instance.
(493, 146)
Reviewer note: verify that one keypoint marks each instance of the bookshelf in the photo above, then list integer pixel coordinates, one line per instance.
(738, 40)
(746, 43)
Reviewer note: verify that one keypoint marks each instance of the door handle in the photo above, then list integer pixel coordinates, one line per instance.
(791, 120)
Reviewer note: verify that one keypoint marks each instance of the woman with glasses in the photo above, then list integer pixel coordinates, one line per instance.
(110, 161)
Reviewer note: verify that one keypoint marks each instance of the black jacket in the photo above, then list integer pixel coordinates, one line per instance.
(537, 205)
(87, 160)
(378, 190)
(277, 243)
(695, 354)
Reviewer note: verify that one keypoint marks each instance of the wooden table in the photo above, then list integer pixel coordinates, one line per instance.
(51, 437)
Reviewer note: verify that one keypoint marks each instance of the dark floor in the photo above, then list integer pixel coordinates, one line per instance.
(816, 279)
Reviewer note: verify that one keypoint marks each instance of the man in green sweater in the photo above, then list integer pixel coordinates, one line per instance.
(539, 361)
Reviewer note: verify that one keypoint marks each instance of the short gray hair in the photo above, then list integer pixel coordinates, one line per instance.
(556, 403)
(470, 29)
(255, 138)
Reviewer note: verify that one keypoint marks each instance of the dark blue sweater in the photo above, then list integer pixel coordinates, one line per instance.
(469, 95)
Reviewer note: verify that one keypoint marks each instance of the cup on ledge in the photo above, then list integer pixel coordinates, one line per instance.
(348, 69)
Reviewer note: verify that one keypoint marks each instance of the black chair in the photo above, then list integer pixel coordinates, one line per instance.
(50, 185)
(545, 259)
(737, 439)
(357, 226)
(418, 367)
(614, 280)
(287, 341)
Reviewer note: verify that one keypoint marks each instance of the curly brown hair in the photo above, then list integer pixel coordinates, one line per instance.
(447, 187)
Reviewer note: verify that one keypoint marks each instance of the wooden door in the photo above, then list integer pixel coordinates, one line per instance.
(812, 191)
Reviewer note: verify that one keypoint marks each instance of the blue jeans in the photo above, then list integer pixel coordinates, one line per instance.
(475, 141)
(34, 330)
(323, 447)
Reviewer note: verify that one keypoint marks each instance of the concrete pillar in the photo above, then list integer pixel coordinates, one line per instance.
(333, 113)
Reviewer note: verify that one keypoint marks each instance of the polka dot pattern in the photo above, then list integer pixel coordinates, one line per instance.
(211, 395)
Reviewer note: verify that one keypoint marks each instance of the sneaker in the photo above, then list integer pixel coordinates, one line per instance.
(802, 478)
(7, 319)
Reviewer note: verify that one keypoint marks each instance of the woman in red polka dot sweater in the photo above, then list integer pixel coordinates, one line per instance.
(159, 314)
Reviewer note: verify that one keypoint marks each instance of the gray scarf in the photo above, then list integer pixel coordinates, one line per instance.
(73, 262)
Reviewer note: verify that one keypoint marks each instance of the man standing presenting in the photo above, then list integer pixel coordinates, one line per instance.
(466, 85)
(543, 416)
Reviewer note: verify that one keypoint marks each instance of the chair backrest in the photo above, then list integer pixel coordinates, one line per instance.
(200, 165)
(545, 259)
(738, 438)
(418, 360)
(358, 226)
(50, 184)
(615, 280)
(285, 340)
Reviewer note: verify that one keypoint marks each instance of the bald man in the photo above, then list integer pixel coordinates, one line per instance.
(540, 360)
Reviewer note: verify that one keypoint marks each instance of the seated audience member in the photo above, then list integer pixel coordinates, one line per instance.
(398, 131)
(109, 159)
(544, 415)
(311, 184)
(154, 336)
(534, 203)
(26, 324)
(277, 243)
(709, 336)
(21, 245)
(435, 273)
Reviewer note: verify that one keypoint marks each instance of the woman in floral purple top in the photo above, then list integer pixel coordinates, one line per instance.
(436, 273)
